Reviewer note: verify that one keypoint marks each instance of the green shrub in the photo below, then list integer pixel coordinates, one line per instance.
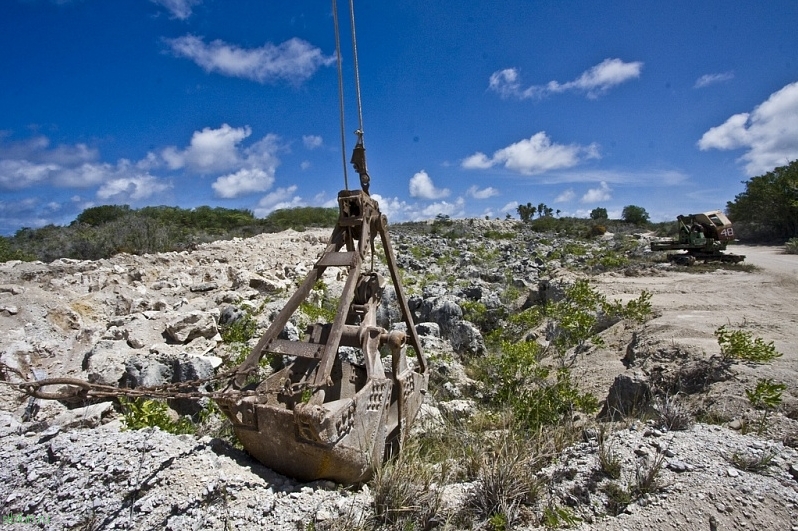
(325, 312)
(8, 252)
(240, 331)
(536, 394)
(791, 247)
(738, 345)
(142, 413)
(555, 517)
(618, 497)
(498, 235)
(576, 315)
(758, 463)
(638, 309)
(596, 230)
(765, 396)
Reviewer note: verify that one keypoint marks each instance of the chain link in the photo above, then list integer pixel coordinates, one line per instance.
(185, 390)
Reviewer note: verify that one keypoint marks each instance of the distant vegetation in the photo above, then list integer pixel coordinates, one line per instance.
(768, 208)
(103, 231)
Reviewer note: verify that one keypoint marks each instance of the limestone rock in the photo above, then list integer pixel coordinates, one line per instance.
(192, 325)
(629, 392)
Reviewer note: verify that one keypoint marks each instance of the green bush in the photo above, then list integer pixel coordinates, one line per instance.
(765, 396)
(100, 232)
(8, 252)
(738, 345)
(791, 247)
(239, 331)
(142, 413)
(576, 315)
(596, 230)
(536, 394)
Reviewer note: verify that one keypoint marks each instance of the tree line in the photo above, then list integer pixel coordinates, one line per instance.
(766, 211)
(102, 231)
(633, 214)
(768, 208)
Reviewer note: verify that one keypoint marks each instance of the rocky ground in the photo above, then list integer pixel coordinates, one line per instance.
(143, 320)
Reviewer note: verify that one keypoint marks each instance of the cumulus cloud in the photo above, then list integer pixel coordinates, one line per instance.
(769, 133)
(293, 61)
(595, 195)
(37, 151)
(280, 198)
(393, 207)
(18, 174)
(533, 155)
(485, 193)
(133, 188)
(593, 82)
(244, 181)
(33, 163)
(512, 206)
(180, 9)
(711, 79)
(213, 151)
(421, 186)
(445, 208)
(210, 150)
(565, 196)
(312, 141)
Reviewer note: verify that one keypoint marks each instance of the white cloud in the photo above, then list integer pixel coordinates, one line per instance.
(655, 178)
(133, 188)
(485, 193)
(321, 200)
(122, 179)
(533, 155)
(280, 198)
(180, 9)
(88, 174)
(443, 207)
(594, 195)
(210, 150)
(394, 208)
(769, 132)
(512, 206)
(312, 141)
(565, 196)
(37, 150)
(711, 79)
(18, 174)
(294, 60)
(305, 165)
(477, 161)
(244, 181)
(593, 82)
(421, 186)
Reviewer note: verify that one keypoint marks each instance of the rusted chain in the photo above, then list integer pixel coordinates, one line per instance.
(82, 390)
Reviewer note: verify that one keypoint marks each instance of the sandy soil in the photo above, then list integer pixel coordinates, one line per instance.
(691, 306)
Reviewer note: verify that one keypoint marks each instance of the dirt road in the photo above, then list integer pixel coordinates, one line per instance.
(690, 307)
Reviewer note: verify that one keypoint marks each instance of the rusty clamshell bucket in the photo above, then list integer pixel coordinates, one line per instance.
(325, 416)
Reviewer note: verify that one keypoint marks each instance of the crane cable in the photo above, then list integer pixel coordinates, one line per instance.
(359, 132)
(340, 91)
(358, 159)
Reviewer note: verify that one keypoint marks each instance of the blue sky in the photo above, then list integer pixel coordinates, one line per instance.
(469, 107)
